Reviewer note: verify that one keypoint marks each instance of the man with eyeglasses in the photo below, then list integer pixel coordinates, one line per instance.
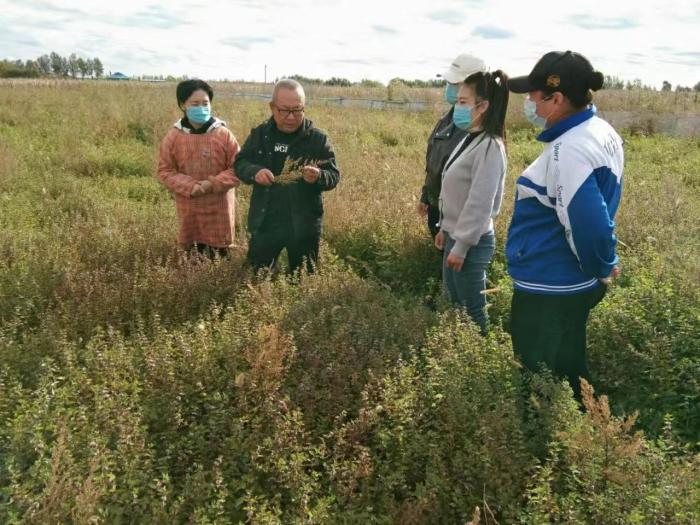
(290, 163)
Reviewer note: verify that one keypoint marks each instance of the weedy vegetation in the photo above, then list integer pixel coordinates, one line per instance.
(140, 386)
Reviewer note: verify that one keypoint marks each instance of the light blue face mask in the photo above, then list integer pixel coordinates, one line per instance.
(451, 91)
(530, 109)
(462, 116)
(198, 114)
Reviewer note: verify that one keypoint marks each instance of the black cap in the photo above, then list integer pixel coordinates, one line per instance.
(565, 71)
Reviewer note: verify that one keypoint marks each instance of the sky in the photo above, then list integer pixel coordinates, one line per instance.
(356, 39)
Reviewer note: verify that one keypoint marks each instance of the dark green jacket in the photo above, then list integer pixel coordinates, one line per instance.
(306, 202)
(443, 140)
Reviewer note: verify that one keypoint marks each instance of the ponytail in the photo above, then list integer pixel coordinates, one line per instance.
(492, 87)
(582, 96)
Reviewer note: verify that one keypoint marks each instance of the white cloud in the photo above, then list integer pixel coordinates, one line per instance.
(355, 38)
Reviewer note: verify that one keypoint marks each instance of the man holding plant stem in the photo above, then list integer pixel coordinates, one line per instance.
(286, 211)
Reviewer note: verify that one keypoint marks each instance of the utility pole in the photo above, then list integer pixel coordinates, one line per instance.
(265, 73)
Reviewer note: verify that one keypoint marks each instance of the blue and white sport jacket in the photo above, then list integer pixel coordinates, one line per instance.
(561, 238)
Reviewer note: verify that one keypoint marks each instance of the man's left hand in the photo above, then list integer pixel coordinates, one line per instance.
(311, 174)
(455, 262)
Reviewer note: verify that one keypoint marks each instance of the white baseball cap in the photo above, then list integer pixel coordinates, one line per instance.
(461, 67)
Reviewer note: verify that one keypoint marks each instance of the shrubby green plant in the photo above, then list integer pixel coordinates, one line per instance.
(439, 435)
(598, 470)
(645, 339)
(140, 386)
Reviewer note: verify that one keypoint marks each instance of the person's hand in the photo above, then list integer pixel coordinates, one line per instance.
(616, 271)
(229, 181)
(455, 262)
(264, 177)
(440, 240)
(207, 186)
(311, 174)
(422, 209)
(197, 190)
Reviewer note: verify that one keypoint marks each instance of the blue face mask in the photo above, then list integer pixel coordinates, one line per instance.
(198, 114)
(530, 109)
(462, 116)
(451, 91)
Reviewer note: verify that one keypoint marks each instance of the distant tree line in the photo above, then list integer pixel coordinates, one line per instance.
(74, 66)
(333, 81)
(365, 82)
(53, 65)
(610, 82)
(417, 83)
(679, 88)
(613, 82)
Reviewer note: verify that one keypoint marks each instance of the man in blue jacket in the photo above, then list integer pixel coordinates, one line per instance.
(561, 240)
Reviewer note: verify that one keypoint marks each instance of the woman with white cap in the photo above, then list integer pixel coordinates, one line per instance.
(443, 139)
(472, 191)
(561, 240)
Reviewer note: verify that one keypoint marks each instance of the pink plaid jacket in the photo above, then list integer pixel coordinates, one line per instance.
(187, 158)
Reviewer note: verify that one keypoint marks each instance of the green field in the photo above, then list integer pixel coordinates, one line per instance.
(137, 386)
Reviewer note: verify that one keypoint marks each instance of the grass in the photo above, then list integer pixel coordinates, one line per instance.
(137, 386)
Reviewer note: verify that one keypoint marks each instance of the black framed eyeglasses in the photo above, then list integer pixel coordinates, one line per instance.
(286, 112)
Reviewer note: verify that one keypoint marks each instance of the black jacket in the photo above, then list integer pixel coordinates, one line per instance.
(305, 200)
(443, 140)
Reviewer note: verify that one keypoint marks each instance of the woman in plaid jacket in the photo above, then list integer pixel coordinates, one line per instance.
(196, 159)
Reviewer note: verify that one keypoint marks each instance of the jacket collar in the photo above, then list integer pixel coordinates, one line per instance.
(447, 117)
(473, 141)
(446, 122)
(305, 128)
(561, 127)
(213, 123)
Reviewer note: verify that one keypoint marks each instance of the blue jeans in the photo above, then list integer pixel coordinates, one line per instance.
(465, 286)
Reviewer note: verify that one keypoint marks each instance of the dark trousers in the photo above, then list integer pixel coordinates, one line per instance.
(433, 218)
(267, 244)
(210, 252)
(551, 330)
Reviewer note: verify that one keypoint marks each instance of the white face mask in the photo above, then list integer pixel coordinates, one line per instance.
(530, 109)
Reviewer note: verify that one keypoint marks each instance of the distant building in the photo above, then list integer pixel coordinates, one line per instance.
(118, 76)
